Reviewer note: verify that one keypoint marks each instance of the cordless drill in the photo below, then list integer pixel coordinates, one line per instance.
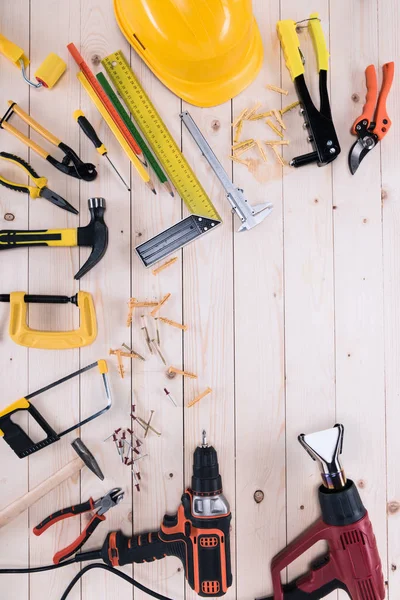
(353, 562)
(198, 534)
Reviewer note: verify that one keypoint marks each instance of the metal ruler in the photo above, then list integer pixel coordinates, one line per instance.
(158, 137)
(174, 238)
(250, 216)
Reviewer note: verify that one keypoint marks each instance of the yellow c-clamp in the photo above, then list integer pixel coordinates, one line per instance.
(23, 335)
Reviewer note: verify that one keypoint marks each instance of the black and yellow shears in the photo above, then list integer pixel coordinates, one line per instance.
(40, 190)
(71, 164)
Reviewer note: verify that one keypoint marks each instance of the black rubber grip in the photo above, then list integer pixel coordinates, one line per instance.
(62, 514)
(89, 131)
(22, 162)
(15, 188)
(14, 238)
(146, 547)
(292, 592)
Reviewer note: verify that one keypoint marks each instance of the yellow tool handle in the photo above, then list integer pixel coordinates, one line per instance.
(14, 238)
(13, 52)
(40, 182)
(20, 404)
(34, 124)
(291, 47)
(34, 192)
(99, 105)
(25, 140)
(318, 38)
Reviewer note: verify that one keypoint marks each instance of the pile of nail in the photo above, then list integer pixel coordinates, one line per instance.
(128, 446)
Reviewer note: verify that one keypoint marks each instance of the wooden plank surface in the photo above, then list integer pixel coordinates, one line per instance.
(294, 325)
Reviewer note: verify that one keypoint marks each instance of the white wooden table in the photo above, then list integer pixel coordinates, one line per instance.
(294, 325)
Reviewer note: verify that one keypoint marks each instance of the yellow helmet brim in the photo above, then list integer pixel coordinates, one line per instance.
(203, 93)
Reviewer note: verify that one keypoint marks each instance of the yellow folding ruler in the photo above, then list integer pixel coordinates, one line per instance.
(204, 215)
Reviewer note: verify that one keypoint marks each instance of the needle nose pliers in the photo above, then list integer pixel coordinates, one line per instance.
(374, 123)
(111, 499)
(41, 189)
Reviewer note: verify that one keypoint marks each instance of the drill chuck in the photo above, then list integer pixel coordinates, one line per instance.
(206, 479)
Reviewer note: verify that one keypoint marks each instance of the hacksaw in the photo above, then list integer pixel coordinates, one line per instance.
(20, 441)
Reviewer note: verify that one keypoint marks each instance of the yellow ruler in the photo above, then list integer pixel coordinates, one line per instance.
(159, 138)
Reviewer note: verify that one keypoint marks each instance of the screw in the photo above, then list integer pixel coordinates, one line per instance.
(332, 151)
(329, 143)
(9, 217)
(134, 352)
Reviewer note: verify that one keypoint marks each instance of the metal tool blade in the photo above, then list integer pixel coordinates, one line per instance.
(358, 152)
(325, 447)
(250, 216)
(57, 200)
(117, 172)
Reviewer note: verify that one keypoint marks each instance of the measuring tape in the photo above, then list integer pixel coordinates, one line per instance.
(162, 143)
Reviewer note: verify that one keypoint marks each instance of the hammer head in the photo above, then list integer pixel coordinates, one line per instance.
(94, 235)
(84, 453)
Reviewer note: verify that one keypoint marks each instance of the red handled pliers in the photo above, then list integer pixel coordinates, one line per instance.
(104, 504)
(371, 127)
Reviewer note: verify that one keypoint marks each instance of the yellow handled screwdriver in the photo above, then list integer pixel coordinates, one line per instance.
(89, 131)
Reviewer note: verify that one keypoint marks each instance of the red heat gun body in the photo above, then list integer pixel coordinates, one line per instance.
(353, 563)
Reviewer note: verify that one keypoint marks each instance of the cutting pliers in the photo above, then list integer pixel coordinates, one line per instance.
(104, 504)
(374, 123)
(41, 189)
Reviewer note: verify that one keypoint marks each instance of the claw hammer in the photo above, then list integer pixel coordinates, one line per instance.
(84, 458)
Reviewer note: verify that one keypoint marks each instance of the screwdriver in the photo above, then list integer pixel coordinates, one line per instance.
(89, 131)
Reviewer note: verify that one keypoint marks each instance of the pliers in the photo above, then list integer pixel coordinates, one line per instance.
(104, 504)
(371, 127)
(41, 189)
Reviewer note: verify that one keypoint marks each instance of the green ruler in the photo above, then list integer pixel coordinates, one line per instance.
(158, 137)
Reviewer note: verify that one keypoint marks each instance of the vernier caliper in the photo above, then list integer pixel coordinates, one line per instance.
(250, 216)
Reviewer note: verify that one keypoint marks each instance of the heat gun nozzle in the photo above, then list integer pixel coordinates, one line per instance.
(325, 447)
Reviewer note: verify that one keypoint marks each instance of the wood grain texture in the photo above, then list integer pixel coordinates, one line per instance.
(294, 325)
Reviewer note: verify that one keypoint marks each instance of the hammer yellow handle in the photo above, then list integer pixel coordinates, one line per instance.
(13, 238)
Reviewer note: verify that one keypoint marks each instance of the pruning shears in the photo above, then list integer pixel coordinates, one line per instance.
(374, 123)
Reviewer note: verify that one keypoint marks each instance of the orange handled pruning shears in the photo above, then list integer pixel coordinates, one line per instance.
(372, 126)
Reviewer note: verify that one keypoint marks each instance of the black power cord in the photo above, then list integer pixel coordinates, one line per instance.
(82, 573)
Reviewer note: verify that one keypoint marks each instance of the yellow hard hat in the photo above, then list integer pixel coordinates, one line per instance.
(205, 51)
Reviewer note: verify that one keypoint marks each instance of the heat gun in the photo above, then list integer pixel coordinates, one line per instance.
(353, 562)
